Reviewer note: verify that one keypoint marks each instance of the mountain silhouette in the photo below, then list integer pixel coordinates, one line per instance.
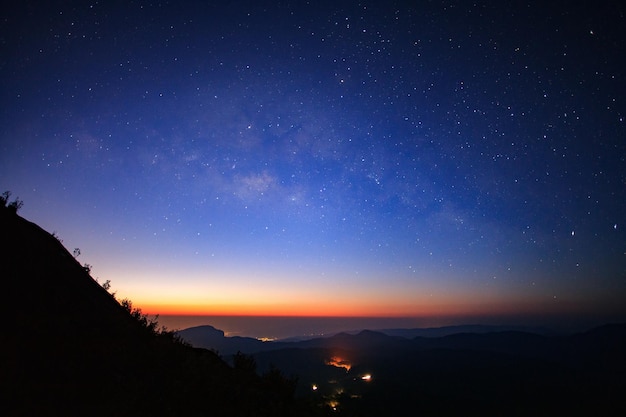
(209, 337)
(467, 328)
(494, 371)
(70, 348)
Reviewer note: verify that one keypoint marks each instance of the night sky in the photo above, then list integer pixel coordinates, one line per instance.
(379, 158)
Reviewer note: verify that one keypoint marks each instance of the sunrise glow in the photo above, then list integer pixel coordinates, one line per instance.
(280, 161)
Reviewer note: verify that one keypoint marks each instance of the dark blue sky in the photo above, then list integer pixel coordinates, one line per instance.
(373, 158)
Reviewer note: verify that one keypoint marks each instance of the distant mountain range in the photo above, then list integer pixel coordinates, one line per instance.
(460, 370)
(209, 337)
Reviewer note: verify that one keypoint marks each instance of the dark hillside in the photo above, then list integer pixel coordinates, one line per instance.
(497, 374)
(71, 349)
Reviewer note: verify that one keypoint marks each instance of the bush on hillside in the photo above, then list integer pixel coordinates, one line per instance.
(13, 206)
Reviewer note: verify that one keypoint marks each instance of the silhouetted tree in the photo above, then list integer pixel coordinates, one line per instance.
(14, 206)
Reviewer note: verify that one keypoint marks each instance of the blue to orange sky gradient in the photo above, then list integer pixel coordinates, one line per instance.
(381, 159)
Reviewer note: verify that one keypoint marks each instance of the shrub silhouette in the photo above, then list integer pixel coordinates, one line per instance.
(14, 206)
(148, 323)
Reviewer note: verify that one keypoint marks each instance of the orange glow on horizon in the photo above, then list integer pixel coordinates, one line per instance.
(410, 303)
(384, 308)
(262, 310)
(441, 314)
(301, 309)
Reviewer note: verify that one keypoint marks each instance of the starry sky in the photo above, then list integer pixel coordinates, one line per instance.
(327, 158)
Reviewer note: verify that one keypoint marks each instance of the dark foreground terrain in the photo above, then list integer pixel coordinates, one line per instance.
(474, 372)
(71, 349)
(497, 374)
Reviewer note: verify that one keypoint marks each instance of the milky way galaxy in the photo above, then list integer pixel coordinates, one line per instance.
(410, 159)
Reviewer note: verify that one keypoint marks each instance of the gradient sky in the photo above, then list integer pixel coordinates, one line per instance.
(371, 158)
